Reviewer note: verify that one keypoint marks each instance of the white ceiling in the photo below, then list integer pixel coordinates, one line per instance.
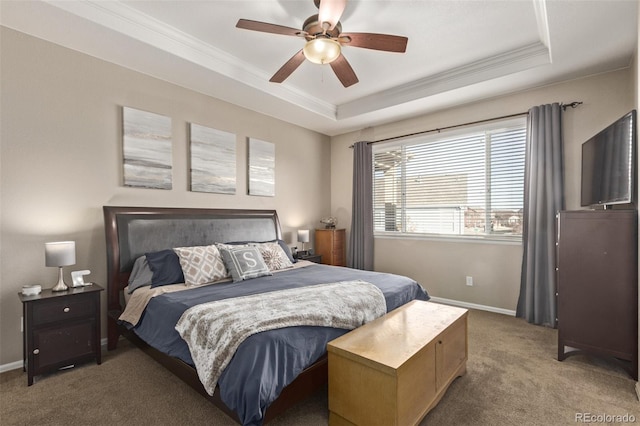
(458, 51)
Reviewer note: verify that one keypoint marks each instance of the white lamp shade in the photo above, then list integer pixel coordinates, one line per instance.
(303, 235)
(61, 253)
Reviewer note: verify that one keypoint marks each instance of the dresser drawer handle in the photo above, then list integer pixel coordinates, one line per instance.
(36, 351)
(66, 309)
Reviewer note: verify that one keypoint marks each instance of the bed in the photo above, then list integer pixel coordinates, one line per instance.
(253, 387)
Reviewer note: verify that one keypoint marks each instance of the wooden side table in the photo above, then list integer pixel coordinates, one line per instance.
(60, 329)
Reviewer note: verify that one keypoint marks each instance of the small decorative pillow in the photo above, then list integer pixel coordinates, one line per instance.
(287, 250)
(274, 256)
(166, 268)
(201, 264)
(244, 262)
(141, 274)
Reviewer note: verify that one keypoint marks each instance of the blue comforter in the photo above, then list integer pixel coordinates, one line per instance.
(266, 362)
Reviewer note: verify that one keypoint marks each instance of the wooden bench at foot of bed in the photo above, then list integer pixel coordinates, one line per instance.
(395, 369)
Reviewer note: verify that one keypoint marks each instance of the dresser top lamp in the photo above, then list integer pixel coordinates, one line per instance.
(59, 254)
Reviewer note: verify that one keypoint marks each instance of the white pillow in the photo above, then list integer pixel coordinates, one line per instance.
(201, 264)
(274, 256)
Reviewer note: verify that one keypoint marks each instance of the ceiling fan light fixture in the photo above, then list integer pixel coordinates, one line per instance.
(322, 50)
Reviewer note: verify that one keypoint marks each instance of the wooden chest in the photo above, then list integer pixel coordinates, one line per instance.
(395, 369)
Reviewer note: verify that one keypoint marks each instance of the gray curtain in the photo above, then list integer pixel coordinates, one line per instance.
(543, 198)
(360, 254)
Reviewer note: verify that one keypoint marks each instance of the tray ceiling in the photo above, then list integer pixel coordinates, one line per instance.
(458, 51)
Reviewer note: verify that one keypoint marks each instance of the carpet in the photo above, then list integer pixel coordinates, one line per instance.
(513, 378)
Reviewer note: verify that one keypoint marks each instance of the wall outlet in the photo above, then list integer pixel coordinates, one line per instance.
(469, 281)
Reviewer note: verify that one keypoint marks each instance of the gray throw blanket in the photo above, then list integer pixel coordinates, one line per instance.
(213, 331)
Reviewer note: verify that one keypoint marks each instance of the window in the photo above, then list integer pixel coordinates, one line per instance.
(467, 183)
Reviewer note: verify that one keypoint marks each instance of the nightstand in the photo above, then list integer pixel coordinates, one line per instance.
(60, 329)
(315, 258)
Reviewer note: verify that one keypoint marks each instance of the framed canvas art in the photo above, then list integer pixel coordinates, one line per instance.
(146, 149)
(262, 168)
(213, 160)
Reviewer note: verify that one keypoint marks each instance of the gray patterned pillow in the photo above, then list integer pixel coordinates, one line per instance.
(273, 255)
(244, 262)
(201, 264)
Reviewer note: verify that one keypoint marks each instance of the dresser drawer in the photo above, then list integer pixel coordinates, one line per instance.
(338, 257)
(338, 242)
(63, 308)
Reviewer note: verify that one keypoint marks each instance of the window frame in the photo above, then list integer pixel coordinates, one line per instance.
(400, 143)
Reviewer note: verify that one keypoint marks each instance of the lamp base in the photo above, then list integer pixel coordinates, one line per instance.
(60, 285)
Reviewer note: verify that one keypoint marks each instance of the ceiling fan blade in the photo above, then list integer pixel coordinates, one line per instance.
(331, 11)
(290, 66)
(386, 42)
(264, 27)
(343, 71)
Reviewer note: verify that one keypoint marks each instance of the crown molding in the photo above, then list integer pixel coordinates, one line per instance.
(128, 21)
(233, 80)
(506, 63)
(542, 21)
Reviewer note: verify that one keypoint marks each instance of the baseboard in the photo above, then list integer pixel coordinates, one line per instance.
(11, 366)
(473, 306)
(18, 364)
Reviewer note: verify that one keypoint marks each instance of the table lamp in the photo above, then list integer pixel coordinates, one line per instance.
(303, 237)
(61, 253)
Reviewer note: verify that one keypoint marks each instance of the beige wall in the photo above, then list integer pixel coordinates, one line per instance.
(440, 266)
(61, 161)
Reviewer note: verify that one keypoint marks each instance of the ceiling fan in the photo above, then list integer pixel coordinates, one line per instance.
(324, 41)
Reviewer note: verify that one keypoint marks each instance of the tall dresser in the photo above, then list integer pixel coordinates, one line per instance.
(330, 243)
(597, 289)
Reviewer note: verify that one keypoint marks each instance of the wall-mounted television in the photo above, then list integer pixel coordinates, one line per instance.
(608, 164)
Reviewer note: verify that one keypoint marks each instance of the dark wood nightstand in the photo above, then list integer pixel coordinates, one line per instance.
(60, 329)
(315, 258)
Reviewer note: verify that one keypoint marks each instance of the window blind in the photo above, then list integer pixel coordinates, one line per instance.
(464, 184)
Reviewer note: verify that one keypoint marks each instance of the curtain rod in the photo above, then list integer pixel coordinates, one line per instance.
(564, 107)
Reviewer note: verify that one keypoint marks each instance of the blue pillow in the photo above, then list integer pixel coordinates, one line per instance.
(165, 265)
(141, 274)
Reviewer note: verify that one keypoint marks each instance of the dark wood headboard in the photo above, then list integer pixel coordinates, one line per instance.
(133, 231)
